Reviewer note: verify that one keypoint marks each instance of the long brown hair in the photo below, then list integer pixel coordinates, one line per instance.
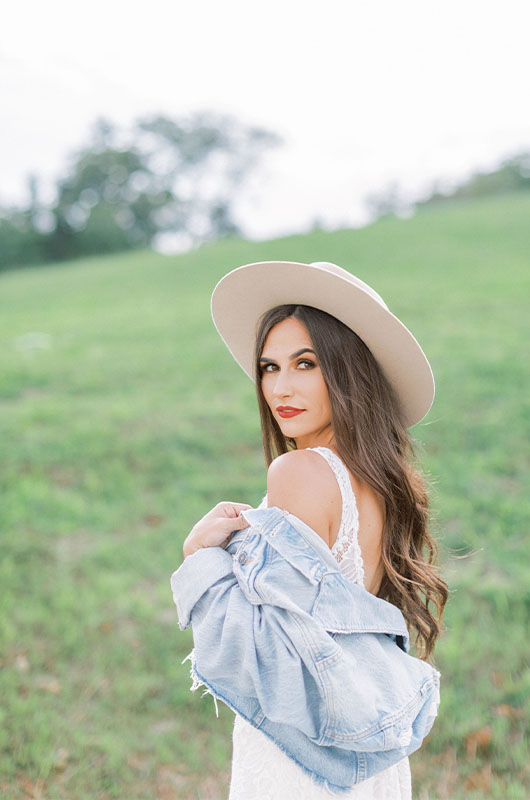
(374, 443)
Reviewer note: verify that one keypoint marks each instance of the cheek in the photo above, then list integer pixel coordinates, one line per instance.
(320, 393)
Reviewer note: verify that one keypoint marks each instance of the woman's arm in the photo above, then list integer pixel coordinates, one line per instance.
(302, 483)
(299, 482)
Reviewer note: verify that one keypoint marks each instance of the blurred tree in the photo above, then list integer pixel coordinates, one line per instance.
(19, 243)
(124, 189)
(22, 229)
(389, 202)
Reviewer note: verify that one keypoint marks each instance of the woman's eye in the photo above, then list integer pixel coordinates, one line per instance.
(305, 363)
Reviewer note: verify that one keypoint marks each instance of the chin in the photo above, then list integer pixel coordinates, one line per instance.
(293, 430)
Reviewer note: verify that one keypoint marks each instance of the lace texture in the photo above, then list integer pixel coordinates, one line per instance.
(260, 770)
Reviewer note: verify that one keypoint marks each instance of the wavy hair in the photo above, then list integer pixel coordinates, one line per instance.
(374, 443)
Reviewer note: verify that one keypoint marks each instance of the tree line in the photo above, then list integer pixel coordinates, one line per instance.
(124, 188)
(512, 175)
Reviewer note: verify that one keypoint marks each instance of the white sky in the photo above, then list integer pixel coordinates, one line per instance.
(364, 92)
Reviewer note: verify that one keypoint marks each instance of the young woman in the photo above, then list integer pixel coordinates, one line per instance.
(339, 380)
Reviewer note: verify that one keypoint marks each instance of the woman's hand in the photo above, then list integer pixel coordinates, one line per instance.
(216, 527)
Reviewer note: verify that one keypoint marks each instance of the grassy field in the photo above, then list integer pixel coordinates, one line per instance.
(124, 419)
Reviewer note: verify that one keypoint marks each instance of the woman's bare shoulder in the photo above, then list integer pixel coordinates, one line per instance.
(302, 483)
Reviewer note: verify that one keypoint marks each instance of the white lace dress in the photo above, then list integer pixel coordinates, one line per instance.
(260, 770)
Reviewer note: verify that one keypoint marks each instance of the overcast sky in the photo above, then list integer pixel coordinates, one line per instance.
(363, 92)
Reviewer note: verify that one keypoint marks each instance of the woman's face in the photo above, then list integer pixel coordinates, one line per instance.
(291, 379)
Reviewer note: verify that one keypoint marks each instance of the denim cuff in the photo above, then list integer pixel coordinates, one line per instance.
(194, 577)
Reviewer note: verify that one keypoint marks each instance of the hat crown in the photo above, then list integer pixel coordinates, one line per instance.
(342, 273)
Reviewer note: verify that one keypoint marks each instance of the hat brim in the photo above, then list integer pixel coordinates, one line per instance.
(243, 295)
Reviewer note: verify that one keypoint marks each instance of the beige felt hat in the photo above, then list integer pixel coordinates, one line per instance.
(244, 294)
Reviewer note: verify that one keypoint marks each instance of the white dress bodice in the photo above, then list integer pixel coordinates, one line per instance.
(260, 770)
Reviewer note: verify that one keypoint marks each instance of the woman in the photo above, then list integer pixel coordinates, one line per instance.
(339, 379)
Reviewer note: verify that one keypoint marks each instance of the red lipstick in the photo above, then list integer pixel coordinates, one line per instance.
(288, 411)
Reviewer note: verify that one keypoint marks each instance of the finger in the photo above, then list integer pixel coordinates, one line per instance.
(241, 522)
(233, 524)
(234, 509)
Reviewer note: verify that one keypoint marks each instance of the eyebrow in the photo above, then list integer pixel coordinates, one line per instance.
(294, 355)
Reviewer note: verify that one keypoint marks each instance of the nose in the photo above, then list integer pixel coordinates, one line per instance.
(282, 385)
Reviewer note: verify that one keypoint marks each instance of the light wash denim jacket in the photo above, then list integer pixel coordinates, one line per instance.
(314, 661)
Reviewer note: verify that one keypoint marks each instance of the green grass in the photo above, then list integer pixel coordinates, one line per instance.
(135, 420)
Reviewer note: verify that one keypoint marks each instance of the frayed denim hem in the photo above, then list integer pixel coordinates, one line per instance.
(198, 681)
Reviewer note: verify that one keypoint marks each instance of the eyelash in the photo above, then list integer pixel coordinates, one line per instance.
(264, 367)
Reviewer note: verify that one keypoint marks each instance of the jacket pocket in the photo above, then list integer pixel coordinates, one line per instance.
(379, 697)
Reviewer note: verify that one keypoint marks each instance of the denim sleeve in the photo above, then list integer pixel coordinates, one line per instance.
(248, 649)
(197, 573)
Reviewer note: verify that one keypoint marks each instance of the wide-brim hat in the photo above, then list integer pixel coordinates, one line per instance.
(243, 295)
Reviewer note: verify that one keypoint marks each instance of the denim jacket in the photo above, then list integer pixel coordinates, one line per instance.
(311, 659)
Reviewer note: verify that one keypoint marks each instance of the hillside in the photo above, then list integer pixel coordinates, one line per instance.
(124, 419)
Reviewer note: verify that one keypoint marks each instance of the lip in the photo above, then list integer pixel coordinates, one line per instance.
(288, 411)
